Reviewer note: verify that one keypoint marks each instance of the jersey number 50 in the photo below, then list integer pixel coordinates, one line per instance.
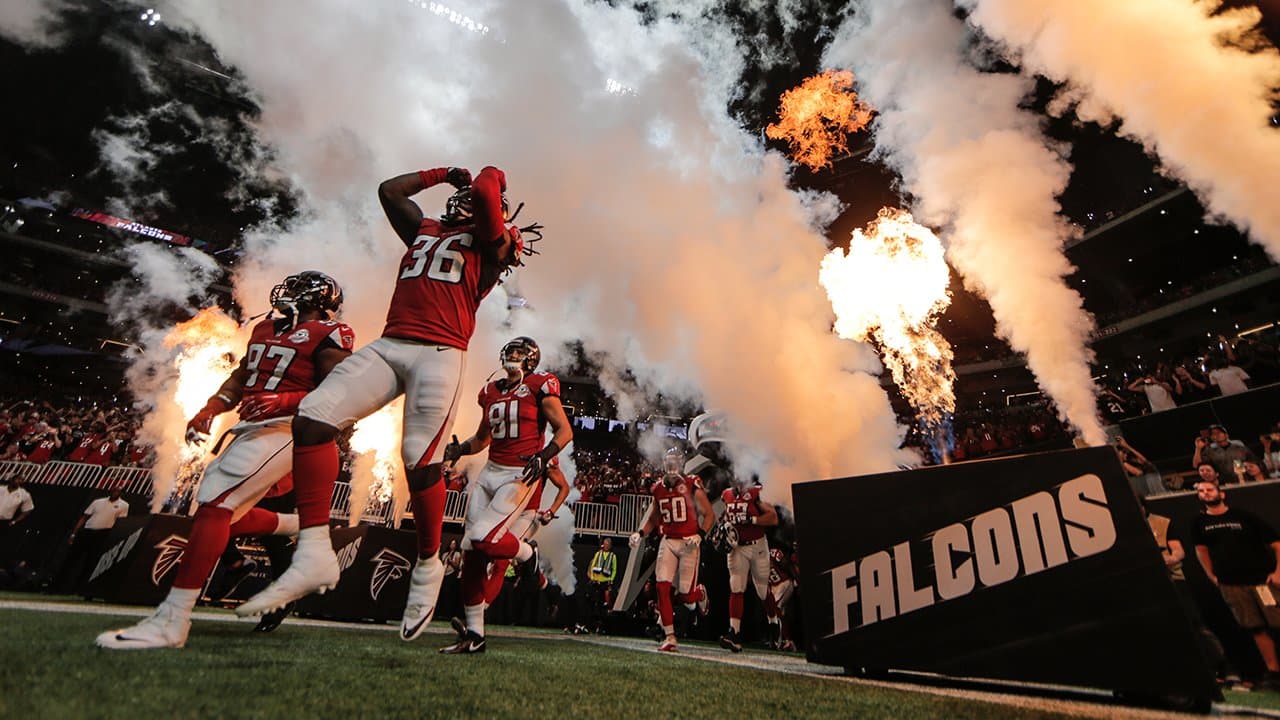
(439, 257)
(673, 510)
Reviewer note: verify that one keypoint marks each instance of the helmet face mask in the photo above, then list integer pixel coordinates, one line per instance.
(459, 209)
(521, 354)
(673, 462)
(307, 290)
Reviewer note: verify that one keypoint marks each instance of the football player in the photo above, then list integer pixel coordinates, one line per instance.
(682, 514)
(448, 267)
(749, 516)
(505, 497)
(287, 356)
(782, 584)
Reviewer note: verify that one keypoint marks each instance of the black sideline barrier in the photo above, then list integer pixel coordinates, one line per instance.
(140, 559)
(1037, 568)
(1168, 438)
(375, 562)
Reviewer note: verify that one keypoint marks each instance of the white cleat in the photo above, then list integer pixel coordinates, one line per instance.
(166, 628)
(424, 591)
(314, 569)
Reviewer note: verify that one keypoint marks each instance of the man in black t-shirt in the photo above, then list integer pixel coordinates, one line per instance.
(1240, 554)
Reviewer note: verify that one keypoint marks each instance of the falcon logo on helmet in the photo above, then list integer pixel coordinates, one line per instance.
(521, 354)
(307, 290)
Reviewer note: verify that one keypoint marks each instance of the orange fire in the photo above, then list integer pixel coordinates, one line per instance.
(817, 116)
(890, 288)
(377, 470)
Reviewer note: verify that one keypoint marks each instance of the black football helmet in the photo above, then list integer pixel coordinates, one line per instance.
(522, 350)
(308, 290)
(459, 209)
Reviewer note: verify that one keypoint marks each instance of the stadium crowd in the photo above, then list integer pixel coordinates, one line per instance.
(44, 430)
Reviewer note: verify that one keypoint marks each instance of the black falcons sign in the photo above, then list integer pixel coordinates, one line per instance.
(1034, 533)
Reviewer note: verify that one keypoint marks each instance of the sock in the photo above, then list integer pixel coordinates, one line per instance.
(315, 470)
(286, 524)
(315, 538)
(504, 548)
(183, 600)
(735, 611)
(475, 618)
(255, 522)
(664, 608)
(692, 597)
(209, 534)
(493, 583)
(473, 578)
(428, 517)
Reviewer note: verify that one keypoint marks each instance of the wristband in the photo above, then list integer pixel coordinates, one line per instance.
(431, 178)
(550, 451)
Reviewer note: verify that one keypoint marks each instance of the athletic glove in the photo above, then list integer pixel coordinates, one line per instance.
(458, 177)
(263, 406)
(545, 517)
(693, 540)
(635, 539)
(536, 466)
(452, 451)
(202, 423)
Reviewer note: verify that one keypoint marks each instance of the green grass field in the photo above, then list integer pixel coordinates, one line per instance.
(49, 668)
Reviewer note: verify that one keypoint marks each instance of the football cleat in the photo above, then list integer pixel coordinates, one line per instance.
(272, 620)
(163, 629)
(459, 626)
(704, 603)
(424, 590)
(469, 644)
(668, 645)
(787, 646)
(314, 568)
(730, 641)
(233, 576)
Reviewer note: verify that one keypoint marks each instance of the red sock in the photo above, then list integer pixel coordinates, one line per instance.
(315, 470)
(428, 517)
(493, 584)
(735, 606)
(255, 522)
(209, 535)
(664, 604)
(473, 580)
(693, 596)
(504, 548)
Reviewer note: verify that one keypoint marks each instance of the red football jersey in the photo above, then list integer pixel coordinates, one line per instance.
(677, 513)
(777, 567)
(285, 361)
(84, 448)
(42, 452)
(443, 277)
(103, 451)
(739, 506)
(516, 422)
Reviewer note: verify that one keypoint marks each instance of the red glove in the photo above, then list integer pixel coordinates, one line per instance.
(262, 406)
(203, 421)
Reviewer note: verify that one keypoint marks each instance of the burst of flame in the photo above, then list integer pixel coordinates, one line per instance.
(817, 116)
(204, 352)
(889, 288)
(376, 446)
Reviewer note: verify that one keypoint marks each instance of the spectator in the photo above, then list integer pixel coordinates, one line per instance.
(1227, 455)
(1144, 478)
(1229, 378)
(1159, 392)
(89, 537)
(1270, 456)
(601, 576)
(1240, 555)
(1195, 386)
(451, 558)
(15, 506)
(1253, 472)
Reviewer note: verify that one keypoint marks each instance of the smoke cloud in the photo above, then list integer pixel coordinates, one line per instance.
(30, 23)
(1194, 86)
(979, 168)
(674, 246)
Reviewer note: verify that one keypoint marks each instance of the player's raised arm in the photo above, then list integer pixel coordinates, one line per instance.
(227, 397)
(490, 224)
(403, 213)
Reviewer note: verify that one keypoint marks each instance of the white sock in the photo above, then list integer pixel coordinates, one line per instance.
(525, 552)
(183, 600)
(670, 630)
(735, 624)
(315, 538)
(286, 524)
(475, 618)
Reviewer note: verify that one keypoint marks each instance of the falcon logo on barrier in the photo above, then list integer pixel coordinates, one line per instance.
(347, 554)
(1039, 532)
(171, 549)
(388, 565)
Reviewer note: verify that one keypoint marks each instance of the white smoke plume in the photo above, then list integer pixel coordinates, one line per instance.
(979, 168)
(31, 23)
(1194, 85)
(674, 246)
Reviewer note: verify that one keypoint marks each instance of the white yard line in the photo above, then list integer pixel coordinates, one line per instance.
(771, 662)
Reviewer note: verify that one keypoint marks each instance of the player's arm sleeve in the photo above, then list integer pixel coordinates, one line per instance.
(486, 196)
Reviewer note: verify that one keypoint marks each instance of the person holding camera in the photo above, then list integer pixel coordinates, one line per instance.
(1159, 392)
(1225, 454)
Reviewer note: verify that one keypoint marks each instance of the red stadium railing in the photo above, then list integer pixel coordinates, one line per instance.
(594, 518)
